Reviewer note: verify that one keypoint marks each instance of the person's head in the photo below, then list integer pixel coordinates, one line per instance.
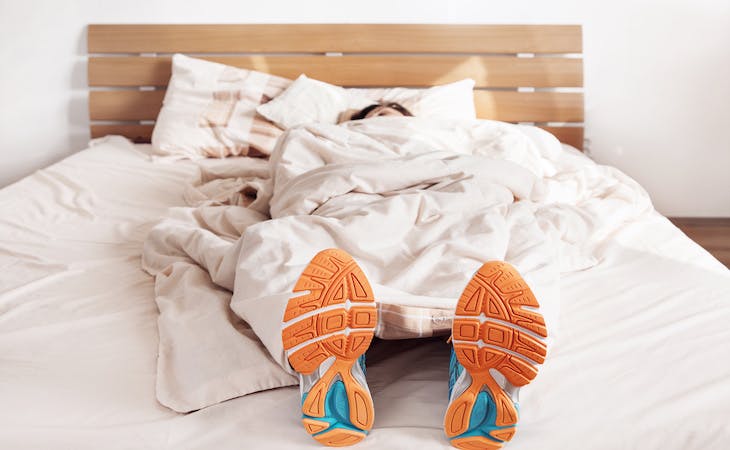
(381, 109)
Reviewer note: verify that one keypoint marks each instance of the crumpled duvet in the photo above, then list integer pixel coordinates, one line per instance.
(420, 204)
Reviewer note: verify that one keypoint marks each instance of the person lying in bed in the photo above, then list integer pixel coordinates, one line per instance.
(381, 109)
(496, 346)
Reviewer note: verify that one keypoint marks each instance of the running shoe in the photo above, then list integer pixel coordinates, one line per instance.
(325, 331)
(498, 342)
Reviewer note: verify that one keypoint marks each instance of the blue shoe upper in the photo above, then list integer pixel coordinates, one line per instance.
(483, 419)
(337, 406)
(336, 409)
(455, 369)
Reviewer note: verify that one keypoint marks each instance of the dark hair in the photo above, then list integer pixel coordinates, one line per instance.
(365, 111)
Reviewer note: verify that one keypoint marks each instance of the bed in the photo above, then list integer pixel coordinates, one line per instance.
(642, 356)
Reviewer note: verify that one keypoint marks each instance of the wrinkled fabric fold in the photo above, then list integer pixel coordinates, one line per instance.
(420, 204)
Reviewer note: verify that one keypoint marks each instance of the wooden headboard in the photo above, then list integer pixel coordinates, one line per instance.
(523, 73)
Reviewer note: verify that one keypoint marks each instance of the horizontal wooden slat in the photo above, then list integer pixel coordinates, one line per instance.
(568, 135)
(125, 105)
(136, 133)
(319, 38)
(507, 106)
(383, 70)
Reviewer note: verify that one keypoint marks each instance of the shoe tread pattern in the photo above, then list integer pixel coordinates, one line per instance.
(494, 329)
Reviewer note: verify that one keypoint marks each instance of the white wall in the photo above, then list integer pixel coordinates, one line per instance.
(657, 76)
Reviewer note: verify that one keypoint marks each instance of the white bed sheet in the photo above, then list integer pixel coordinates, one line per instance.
(642, 361)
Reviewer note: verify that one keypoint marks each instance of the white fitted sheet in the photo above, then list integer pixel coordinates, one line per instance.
(642, 360)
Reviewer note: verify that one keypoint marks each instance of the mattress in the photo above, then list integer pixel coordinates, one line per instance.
(642, 360)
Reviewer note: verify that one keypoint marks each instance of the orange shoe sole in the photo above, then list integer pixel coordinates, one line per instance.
(335, 317)
(494, 329)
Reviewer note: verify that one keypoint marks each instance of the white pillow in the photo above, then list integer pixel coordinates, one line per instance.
(308, 100)
(210, 110)
(447, 101)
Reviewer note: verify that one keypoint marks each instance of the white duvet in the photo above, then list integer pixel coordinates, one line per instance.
(419, 204)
